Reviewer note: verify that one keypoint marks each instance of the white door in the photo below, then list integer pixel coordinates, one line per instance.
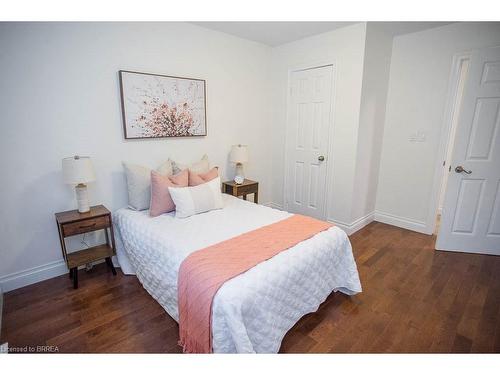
(471, 211)
(308, 128)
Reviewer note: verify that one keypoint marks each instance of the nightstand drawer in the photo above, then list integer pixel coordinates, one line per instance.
(85, 226)
(247, 189)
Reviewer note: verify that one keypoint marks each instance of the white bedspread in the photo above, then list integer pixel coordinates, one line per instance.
(253, 311)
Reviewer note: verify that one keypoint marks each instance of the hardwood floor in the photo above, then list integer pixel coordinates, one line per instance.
(414, 299)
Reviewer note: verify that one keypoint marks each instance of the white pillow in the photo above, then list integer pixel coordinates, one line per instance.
(202, 166)
(139, 183)
(197, 199)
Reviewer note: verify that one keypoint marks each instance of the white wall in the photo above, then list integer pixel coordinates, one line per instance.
(377, 62)
(419, 79)
(60, 96)
(345, 49)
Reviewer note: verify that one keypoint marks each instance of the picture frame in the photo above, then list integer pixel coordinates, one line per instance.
(162, 106)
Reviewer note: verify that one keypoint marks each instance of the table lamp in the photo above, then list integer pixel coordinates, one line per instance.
(78, 170)
(239, 155)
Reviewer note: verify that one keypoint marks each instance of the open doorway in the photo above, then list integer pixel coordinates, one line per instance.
(459, 79)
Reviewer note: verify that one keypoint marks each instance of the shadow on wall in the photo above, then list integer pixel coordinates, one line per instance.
(40, 241)
(119, 190)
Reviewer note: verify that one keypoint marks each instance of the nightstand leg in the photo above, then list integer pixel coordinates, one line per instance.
(256, 197)
(245, 197)
(109, 262)
(75, 277)
(71, 273)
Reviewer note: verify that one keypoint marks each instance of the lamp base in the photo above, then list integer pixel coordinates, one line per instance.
(82, 198)
(239, 176)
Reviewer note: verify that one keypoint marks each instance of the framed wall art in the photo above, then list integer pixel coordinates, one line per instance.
(160, 106)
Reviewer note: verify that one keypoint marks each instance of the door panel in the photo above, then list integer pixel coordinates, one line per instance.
(308, 131)
(491, 72)
(484, 127)
(494, 229)
(299, 182)
(467, 206)
(302, 125)
(313, 186)
(470, 218)
(317, 125)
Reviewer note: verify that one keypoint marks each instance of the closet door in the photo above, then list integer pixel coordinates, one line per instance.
(308, 127)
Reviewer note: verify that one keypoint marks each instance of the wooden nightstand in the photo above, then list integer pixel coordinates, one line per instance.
(70, 223)
(247, 187)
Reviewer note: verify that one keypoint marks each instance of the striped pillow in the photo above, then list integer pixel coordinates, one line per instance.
(196, 199)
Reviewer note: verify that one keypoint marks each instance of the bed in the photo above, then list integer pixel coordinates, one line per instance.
(252, 312)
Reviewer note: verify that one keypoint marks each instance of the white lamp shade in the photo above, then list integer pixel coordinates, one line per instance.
(77, 170)
(239, 154)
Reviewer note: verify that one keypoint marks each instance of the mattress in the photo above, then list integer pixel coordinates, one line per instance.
(252, 312)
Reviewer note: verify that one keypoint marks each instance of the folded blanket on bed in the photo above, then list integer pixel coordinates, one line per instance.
(203, 272)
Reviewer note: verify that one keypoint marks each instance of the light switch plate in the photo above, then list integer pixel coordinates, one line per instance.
(418, 136)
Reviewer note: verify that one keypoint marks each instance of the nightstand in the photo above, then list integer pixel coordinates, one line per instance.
(247, 187)
(70, 223)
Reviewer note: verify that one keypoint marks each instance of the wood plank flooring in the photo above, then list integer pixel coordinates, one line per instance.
(414, 299)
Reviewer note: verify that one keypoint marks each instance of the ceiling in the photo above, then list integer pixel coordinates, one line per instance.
(399, 28)
(273, 33)
(276, 33)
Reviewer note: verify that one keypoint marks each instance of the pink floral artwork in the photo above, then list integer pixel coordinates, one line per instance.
(156, 106)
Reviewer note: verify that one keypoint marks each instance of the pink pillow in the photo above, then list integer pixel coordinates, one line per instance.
(196, 179)
(161, 202)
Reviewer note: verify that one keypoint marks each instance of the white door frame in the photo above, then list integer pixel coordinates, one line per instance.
(444, 142)
(331, 122)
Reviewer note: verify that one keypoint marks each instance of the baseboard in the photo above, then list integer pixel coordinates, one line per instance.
(274, 205)
(349, 228)
(398, 221)
(33, 275)
(36, 274)
(353, 227)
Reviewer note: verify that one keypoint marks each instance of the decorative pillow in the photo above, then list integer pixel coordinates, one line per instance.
(139, 183)
(201, 166)
(166, 169)
(197, 199)
(161, 202)
(196, 179)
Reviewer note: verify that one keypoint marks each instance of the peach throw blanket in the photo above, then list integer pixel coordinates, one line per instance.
(203, 272)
